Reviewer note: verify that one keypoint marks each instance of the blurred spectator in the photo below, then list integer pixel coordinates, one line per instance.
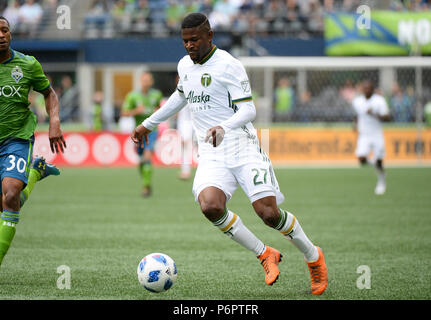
(284, 100)
(315, 23)
(11, 13)
(294, 17)
(140, 16)
(174, 14)
(328, 5)
(30, 15)
(69, 106)
(223, 14)
(348, 91)
(274, 16)
(118, 10)
(206, 6)
(98, 17)
(177, 10)
(191, 6)
(400, 104)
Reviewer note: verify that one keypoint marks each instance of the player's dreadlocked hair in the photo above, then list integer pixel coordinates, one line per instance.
(3, 18)
(195, 19)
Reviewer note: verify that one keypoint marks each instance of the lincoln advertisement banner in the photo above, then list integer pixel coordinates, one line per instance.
(377, 33)
(285, 146)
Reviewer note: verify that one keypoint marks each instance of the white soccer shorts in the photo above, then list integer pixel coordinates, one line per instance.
(257, 179)
(366, 144)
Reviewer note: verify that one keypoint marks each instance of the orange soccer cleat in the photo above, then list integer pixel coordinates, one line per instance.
(269, 260)
(318, 274)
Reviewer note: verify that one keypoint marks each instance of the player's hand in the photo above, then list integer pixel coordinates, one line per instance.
(138, 133)
(56, 139)
(215, 135)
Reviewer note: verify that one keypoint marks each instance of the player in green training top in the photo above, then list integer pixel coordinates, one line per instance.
(141, 104)
(18, 75)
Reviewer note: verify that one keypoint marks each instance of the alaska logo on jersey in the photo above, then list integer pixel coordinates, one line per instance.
(17, 74)
(206, 80)
(191, 98)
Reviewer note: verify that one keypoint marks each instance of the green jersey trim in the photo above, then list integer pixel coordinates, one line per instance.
(29, 159)
(208, 56)
(242, 99)
(49, 86)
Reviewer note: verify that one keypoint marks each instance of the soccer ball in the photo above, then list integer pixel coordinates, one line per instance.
(157, 272)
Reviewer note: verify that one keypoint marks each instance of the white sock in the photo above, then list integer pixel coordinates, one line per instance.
(185, 168)
(289, 226)
(380, 175)
(231, 225)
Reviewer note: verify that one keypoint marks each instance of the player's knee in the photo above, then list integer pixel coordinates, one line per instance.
(10, 198)
(212, 209)
(269, 215)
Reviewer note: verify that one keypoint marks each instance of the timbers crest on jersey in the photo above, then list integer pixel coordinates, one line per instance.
(17, 74)
(206, 80)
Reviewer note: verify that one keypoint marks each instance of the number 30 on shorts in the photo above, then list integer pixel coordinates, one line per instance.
(20, 164)
(259, 175)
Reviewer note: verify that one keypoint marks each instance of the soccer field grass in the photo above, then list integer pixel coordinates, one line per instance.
(95, 222)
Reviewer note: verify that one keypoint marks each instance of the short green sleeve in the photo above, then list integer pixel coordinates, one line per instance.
(129, 102)
(39, 80)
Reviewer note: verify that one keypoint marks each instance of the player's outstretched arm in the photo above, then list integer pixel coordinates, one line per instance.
(174, 104)
(56, 139)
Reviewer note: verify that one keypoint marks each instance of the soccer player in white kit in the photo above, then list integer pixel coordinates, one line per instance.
(216, 89)
(371, 109)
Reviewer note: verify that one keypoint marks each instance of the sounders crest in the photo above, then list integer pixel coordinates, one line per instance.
(17, 74)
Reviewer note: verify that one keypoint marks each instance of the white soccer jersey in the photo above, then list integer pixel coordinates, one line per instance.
(212, 88)
(367, 124)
